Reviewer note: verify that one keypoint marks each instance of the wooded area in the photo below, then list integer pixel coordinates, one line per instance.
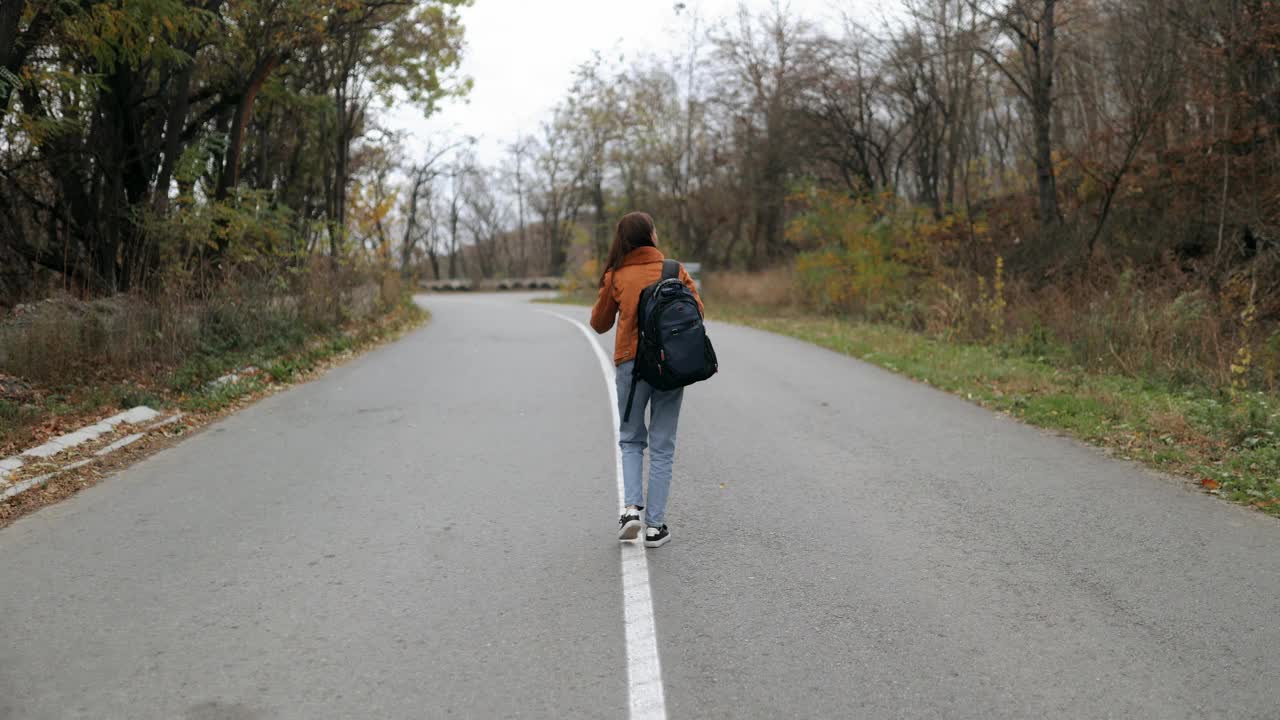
(1138, 127)
(1111, 159)
(153, 142)
(972, 167)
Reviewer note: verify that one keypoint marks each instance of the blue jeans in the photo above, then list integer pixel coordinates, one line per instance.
(659, 437)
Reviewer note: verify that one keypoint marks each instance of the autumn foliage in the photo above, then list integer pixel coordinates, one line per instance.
(159, 142)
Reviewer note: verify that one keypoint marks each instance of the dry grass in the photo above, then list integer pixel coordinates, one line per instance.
(769, 288)
(71, 358)
(1148, 327)
(61, 340)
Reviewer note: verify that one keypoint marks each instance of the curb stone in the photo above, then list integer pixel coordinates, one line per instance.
(134, 416)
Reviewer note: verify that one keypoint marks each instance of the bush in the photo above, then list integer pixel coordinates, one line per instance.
(1145, 326)
(875, 259)
(583, 278)
(868, 257)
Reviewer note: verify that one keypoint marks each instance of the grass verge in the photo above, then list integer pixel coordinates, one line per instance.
(191, 386)
(1227, 442)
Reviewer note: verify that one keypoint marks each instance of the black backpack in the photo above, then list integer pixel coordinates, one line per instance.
(673, 349)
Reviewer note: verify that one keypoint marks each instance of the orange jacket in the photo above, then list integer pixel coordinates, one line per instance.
(620, 297)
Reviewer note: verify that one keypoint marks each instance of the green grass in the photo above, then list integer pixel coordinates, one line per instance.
(211, 398)
(1229, 442)
(17, 415)
(282, 361)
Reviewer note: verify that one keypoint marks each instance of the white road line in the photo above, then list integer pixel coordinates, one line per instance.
(644, 672)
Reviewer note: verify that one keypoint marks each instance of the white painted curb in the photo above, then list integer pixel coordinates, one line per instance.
(137, 415)
(133, 416)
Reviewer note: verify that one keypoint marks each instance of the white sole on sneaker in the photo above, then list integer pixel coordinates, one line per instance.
(631, 530)
(657, 543)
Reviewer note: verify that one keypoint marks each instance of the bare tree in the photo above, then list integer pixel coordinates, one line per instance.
(556, 197)
(519, 150)
(766, 64)
(1030, 28)
(416, 209)
(592, 117)
(1138, 51)
(486, 220)
(455, 179)
(846, 113)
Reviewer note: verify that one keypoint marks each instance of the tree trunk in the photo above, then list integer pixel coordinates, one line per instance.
(410, 227)
(1042, 112)
(345, 123)
(179, 106)
(601, 224)
(1046, 184)
(453, 236)
(230, 176)
(558, 251)
(524, 236)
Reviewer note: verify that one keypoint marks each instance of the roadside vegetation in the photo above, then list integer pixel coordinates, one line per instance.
(1223, 440)
(196, 190)
(233, 353)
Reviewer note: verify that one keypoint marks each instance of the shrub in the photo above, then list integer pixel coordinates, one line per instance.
(1141, 326)
(874, 258)
(865, 257)
(583, 278)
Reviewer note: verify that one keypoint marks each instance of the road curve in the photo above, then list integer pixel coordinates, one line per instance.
(427, 532)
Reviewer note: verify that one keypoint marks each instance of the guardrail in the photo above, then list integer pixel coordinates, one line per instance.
(534, 283)
(540, 283)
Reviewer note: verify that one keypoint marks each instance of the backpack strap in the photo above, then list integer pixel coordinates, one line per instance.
(631, 396)
(670, 269)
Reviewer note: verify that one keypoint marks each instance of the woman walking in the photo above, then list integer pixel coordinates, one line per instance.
(634, 263)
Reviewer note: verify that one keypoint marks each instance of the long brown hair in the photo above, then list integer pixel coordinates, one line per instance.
(634, 230)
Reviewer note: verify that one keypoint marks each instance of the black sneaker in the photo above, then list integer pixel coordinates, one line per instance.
(656, 536)
(629, 525)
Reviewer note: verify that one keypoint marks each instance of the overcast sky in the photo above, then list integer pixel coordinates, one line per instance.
(521, 55)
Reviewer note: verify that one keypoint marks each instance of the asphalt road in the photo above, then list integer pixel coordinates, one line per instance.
(429, 532)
